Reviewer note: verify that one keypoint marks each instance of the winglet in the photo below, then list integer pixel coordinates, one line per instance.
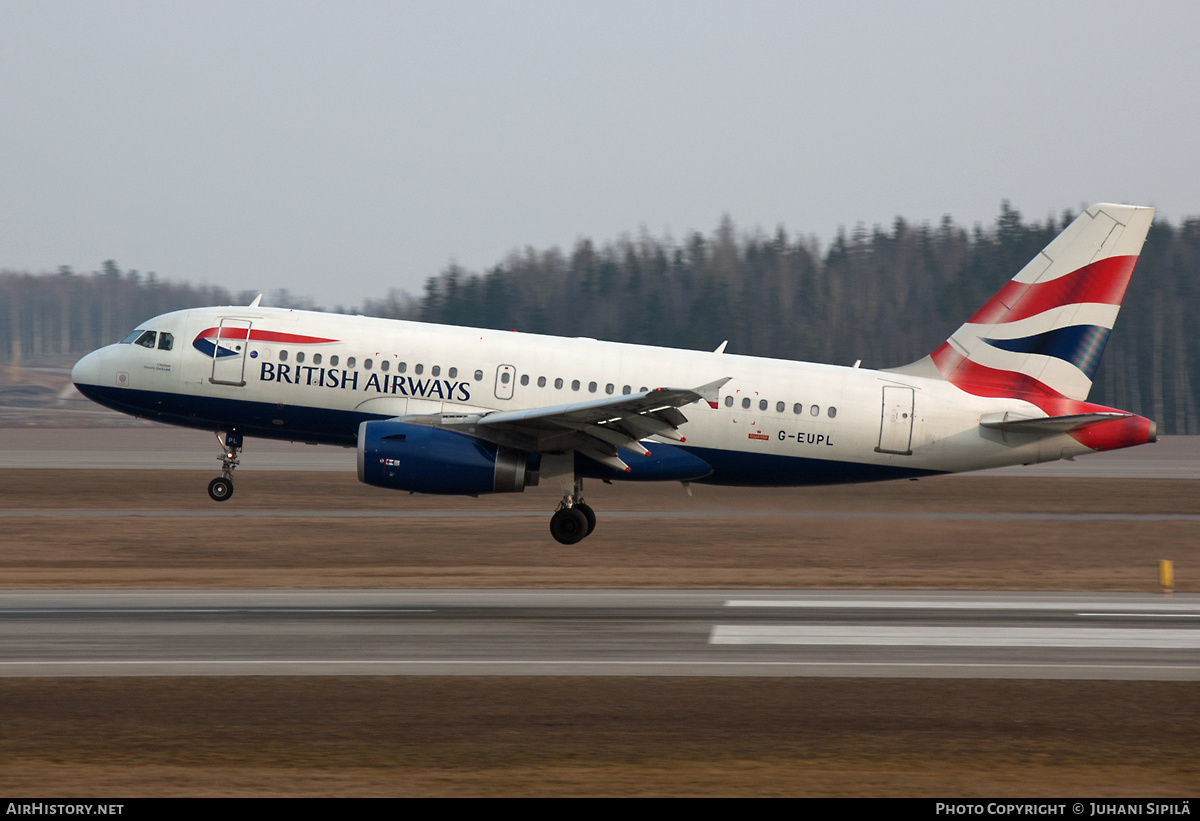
(255, 301)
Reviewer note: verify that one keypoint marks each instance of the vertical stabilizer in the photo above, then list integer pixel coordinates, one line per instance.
(1045, 331)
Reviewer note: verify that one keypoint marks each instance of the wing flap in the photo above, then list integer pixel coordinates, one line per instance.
(597, 428)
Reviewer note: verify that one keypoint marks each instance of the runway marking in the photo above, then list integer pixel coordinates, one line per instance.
(1144, 615)
(888, 636)
(1169, 608)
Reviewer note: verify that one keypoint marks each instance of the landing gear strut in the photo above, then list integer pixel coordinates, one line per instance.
(574, 520)
(221, 488)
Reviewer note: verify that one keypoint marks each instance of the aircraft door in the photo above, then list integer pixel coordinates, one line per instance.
(506, 379)
(895, 427)
(229, 352)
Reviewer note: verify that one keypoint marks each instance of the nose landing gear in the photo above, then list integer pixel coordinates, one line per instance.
(221, 488)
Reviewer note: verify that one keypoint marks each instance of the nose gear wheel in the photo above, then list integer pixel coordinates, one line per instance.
(221, 488)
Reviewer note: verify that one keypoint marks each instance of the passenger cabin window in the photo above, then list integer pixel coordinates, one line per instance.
(729, 401)
(283, 356)
(478, 376)
(591, 387)
(452, 373)
(402, 367)
(762, 404)
(505, 377)
(333, 360)
(350, 361)
(746, 403)
(558, 383)
(832, 412)
(165, 341)
(779, 407)
(419, 369)
(436, 370)
(316, 359)
(367, 364)
(384, 365)
(798, 408)
(626, 390)
(524, 378)
(815, 410)
(541, 381)
(574, 384)
(299, 356)
(609, 388)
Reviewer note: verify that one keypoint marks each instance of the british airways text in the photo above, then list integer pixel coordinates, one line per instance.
(350, 380)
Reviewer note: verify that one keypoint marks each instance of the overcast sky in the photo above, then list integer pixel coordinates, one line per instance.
(340, 149)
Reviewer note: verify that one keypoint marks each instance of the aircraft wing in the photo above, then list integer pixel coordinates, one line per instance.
(596, 428)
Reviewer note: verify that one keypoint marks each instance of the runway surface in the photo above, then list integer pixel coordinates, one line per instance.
(595, 632)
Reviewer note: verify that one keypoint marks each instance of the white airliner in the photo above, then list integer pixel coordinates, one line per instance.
(439, 409)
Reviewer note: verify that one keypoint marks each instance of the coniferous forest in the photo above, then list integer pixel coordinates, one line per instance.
(886, 296)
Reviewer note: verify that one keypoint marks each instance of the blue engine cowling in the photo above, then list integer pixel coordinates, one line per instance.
(431, 460)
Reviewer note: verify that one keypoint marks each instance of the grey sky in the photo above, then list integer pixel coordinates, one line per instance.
(340, 149)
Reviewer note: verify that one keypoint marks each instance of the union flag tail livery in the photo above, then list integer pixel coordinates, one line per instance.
(1044, 332)
(439, 409)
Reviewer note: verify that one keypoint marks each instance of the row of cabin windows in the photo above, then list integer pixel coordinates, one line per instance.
(797, 408)
(384, 365)
(505, 378)
(592, 387)
(610, 389)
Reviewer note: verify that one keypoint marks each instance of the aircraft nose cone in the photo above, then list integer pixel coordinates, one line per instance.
(87, 370)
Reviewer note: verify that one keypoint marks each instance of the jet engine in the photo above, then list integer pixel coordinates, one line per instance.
(424, 459)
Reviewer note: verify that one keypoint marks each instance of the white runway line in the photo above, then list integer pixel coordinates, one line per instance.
(885, 636)
(1083, 607)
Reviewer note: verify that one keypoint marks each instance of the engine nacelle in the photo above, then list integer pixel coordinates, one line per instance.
(432, 460)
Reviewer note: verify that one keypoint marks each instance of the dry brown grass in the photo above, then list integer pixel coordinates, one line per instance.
(596, 736)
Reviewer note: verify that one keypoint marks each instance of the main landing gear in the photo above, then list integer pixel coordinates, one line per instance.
(574, 520)
(221, 488)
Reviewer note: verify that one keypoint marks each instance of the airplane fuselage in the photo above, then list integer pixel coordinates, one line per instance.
(315, 377)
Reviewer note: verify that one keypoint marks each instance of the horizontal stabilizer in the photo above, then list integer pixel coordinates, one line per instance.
(1014, 423)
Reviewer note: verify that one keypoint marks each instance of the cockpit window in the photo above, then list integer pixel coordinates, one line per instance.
(146, 340)
(132, 336)
(165, 341)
